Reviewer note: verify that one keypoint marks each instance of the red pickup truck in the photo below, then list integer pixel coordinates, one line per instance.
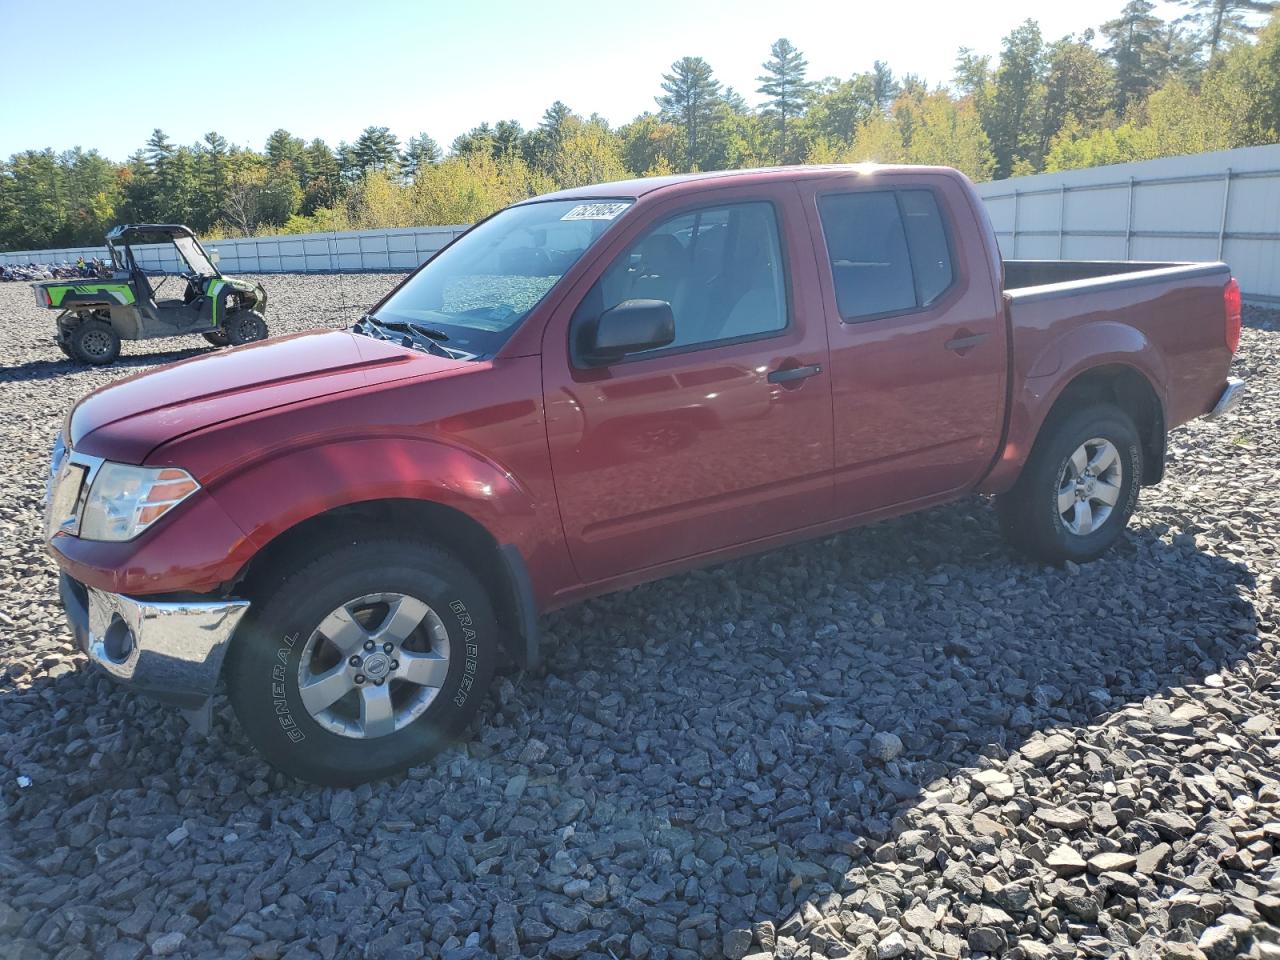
(589, 390)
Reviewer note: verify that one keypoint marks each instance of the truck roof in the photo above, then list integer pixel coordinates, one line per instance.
(639, 186)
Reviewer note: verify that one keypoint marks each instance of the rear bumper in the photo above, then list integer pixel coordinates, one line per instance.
(1230, 394)
(169, 650)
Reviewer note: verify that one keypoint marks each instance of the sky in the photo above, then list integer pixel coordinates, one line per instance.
(329, 68)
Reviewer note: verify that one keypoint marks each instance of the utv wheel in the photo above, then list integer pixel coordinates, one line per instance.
(218, 338)
(1078, 488)
(363, 663)
(94, 342)
(245, 326)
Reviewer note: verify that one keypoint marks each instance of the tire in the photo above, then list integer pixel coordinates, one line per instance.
(280, 645)
(218, 338)
(1030, 515)
(94, 342)
(245, 326)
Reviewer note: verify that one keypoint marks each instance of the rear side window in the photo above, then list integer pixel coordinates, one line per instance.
(888, 251)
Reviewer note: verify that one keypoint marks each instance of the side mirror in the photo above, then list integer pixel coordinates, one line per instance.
(629, 327)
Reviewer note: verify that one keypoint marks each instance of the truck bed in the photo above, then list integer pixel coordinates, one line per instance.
(1164, 320)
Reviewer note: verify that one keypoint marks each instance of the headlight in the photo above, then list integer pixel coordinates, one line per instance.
(124, 500)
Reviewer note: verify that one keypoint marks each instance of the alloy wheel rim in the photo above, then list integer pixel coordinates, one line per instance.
(373, 665)
(1089, 486)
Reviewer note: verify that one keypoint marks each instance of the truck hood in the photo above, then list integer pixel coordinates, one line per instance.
(127, 420)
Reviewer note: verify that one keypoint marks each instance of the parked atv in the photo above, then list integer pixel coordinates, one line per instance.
(98, 313)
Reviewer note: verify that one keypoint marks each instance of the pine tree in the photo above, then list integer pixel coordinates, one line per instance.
(1223, 20)
(375, 149)
(885, 87)
(689, 99)
(1136, 51)
(284, 147)
(211, 179)
(476, 140)
(508, 138)
(418, 153)
(92, 191)
(783, 83)
(325, 186)
(158, 149)
(554, 119)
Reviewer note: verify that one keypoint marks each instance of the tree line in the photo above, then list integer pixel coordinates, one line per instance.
(1139, 87)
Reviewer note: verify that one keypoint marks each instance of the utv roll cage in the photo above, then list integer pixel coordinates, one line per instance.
(120, 241)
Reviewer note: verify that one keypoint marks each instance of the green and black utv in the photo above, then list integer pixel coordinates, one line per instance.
(96, 314)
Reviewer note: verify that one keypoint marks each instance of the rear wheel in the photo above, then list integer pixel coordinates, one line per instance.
(1079, 487)
(94, 342)
(218, 337)
(245, 326)
(363, 663)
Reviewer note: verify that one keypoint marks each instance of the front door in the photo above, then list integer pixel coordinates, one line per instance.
(724, 436)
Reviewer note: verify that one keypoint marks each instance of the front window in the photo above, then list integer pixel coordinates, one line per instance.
(476, 291)
(720, 269)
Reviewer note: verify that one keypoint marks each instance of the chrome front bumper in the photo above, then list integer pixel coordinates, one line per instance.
(1230, 394)
(170, 650)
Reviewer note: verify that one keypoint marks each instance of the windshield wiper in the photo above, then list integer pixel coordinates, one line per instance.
(430, 332)
(414, 332)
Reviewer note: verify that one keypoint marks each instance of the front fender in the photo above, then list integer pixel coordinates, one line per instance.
(1084, 348)
(268, 497)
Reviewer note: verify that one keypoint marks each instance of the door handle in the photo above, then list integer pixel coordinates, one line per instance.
(964, 341)
(789, 374)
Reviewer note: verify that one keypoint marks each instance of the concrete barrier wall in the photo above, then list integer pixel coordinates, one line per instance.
(352, 251)
(1210, 206)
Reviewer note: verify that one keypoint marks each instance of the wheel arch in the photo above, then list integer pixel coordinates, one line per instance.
(1128, 388)
(1105, 360)
(499, 567)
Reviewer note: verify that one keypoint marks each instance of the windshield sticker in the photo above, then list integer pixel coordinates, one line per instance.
(595, 211)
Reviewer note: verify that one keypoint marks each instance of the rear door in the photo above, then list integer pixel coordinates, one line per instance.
(721, 438)
(918, 351)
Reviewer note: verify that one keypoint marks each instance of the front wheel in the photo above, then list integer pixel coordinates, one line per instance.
(1078, 488)
(365, 662)
(218, 337)
(245, 326)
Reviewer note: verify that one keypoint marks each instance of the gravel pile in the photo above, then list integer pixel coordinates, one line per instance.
(901, 742)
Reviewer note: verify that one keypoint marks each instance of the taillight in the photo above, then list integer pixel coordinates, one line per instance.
(1231, 306)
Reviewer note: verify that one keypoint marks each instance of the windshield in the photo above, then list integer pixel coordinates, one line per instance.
(194, 256)
(477, 290)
